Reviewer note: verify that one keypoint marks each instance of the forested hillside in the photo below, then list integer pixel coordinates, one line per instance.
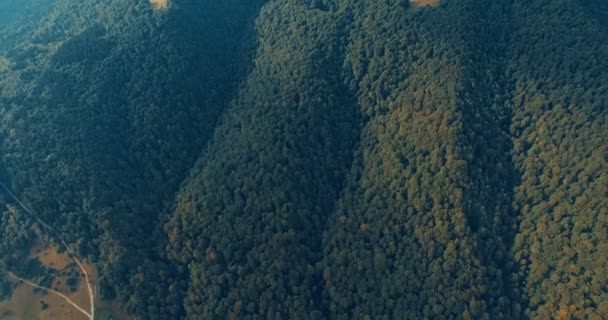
(560, 134)
(312, 159)
(104, 111)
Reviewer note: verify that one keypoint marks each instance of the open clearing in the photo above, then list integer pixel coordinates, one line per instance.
(51, 258)
(424, 3)
(25, 303)
(159, 4)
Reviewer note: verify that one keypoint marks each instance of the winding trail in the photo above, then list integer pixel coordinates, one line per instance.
(74, 257)
(66, 298)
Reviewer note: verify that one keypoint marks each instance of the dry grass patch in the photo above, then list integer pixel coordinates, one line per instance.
(424, 3)
(52, 259)
(25, 303)
(159, 4)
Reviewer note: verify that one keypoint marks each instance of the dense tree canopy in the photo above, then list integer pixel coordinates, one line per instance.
(314, 159)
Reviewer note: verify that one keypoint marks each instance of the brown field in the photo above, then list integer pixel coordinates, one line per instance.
(159, 4)
(51, 258)
(424, 3)
(25, 304)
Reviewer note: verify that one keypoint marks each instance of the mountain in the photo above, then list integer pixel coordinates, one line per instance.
(312, 159)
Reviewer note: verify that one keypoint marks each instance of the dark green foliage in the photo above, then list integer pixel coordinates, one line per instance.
(597, 9)
(412, 229)
(560, 138)
(17, 233)
(72, 283)
(6, 289)
(315, 159)
(270, 176)
(104, 111)
(18, 18)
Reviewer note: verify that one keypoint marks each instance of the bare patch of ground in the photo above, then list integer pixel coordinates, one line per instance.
(27, 303)
(159, 4)
(51, 258)
(424, 3)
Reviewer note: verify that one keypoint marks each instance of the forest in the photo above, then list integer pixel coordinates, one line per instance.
(310, 159)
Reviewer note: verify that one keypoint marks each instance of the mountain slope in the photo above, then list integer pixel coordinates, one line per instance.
(560, 129)
(419, 227)
(247, 222)
(324, 159)
(104, 112)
